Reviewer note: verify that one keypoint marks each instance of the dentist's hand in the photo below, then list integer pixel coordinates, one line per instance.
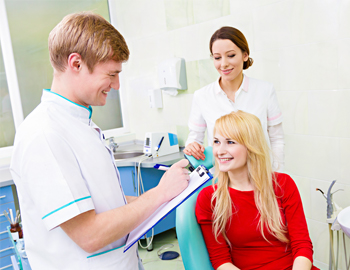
(174, 180)
(196, 150)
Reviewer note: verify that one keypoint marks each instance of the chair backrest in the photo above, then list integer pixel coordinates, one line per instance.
(194, 253)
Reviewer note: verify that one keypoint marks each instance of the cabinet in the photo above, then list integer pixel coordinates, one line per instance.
(150, 178)
(128, 177)
(6, 247)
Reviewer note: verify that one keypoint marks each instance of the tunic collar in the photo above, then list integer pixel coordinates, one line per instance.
(244, 85)
(74, 109)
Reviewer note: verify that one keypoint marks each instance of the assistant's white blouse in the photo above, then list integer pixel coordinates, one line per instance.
(61, 169)
(254, 96)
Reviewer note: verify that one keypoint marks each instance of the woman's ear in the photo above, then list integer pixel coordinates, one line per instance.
(245, 56)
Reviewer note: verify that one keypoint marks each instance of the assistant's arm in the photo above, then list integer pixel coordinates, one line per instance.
(197, 127)
(275, 130)
(276, 136)
(93, 231)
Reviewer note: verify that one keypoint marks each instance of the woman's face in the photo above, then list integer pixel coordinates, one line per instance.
(229, 154)
(228, 59)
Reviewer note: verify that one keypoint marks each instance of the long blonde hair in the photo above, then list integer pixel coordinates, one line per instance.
(245, 128)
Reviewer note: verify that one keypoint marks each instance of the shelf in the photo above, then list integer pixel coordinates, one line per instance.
(23, 263)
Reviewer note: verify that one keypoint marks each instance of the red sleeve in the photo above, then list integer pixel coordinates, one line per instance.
(295, 218)
(219, 252)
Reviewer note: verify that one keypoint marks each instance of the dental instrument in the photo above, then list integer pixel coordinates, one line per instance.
(16, 218)
(320, 190)
(332, 212)
(7, 216)
(11, 215)
(140, 189)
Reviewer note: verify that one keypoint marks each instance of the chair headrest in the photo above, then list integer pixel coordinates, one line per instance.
(208, 162)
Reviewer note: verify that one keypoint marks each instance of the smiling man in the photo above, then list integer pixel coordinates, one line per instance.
(74, 212)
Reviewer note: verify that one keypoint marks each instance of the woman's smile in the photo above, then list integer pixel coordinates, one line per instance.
(226, 71)
(225, 160)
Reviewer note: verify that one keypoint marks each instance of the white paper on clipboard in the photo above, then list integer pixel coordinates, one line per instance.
(197, 178)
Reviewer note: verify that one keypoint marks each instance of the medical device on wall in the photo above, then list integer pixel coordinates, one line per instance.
(160, 144)
(172, 75)
(155, 98)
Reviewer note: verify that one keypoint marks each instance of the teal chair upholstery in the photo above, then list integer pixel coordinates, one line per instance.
(192, 246)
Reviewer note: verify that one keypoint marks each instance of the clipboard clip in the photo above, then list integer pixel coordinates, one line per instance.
(201, 170)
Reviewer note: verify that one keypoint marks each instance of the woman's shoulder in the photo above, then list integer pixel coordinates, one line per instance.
(204, 202)
(259, 84)
(208, 89)
(284, 182)
(206, 192)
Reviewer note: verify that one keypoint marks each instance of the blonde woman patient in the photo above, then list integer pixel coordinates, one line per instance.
(252, 217)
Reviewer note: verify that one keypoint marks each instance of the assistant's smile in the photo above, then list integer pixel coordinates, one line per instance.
(226, 71)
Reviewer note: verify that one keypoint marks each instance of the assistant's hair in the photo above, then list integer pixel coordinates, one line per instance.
(237, 37)
(89, 35)
(246, 129)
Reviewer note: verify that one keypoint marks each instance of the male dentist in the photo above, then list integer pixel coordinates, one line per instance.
(75, 214)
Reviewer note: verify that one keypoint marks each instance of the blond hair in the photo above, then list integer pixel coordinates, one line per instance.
(89, 35)
(246, 129)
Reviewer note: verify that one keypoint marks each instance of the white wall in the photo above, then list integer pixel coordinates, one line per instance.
(302, 46)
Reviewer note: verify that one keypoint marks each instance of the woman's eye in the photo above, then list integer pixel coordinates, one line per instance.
(231, 142)
(231, 56)
(217, 58)
(216, 141)
(112, 75)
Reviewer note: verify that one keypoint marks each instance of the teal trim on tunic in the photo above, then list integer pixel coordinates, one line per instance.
(54, 211)
(97, 254)
(89, 108)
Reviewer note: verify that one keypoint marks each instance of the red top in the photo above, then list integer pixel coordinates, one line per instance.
(249, 249)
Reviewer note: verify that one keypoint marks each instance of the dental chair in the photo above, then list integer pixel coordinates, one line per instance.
(192, 246)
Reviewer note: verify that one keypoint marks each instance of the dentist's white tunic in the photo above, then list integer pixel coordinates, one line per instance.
(61, 169)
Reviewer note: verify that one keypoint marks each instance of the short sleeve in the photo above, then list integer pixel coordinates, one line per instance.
(274, 114)
(52, 176)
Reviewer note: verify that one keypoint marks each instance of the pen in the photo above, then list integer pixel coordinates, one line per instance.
(160, 143)
(163, 167)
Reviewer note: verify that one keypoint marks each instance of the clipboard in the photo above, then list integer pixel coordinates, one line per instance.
(198, 178)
